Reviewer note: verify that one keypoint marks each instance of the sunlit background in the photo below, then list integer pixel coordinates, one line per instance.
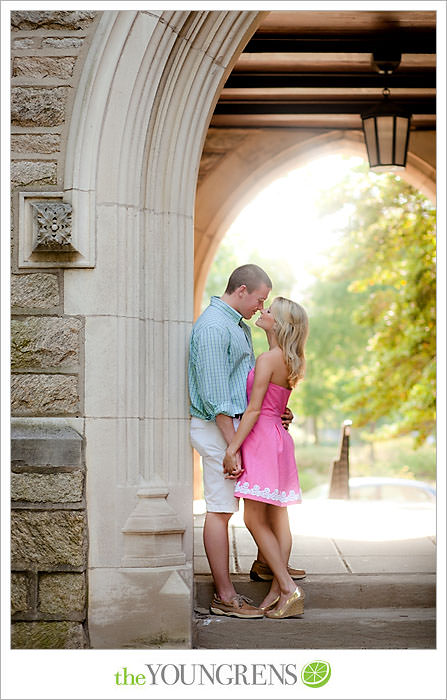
(282, 223)
(295, 230)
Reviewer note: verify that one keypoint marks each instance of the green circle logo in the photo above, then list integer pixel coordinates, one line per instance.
(316, 674)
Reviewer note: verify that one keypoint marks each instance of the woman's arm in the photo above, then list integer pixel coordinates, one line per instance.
(263, 374)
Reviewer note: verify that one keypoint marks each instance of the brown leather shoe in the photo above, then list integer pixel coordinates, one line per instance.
(239, 606)
(262, 572)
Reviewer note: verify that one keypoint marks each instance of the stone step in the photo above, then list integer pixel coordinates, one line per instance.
(329, 628)
(351, 591)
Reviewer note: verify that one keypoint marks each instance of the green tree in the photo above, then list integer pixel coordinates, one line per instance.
(388, 254)
(224, 263)
(336, 343)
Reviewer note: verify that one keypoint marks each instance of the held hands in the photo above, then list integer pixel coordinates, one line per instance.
(287, 418)
(232, 464)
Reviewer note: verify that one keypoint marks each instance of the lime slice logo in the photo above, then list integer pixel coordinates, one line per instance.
(316, 674)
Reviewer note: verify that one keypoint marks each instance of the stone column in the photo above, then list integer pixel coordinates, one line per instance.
(139, 118)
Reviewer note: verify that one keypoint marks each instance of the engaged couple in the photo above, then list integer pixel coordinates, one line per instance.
(239, 423)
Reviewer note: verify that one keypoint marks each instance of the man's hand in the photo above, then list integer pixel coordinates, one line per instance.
(287, 418)
(232, 464)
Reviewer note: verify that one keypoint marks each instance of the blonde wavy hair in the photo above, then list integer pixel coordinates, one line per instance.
(291, 330)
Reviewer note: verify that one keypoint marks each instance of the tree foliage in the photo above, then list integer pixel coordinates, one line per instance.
(336, 343)
(372, 343)
(388, 254)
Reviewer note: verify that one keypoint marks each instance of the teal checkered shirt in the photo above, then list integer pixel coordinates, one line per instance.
(220, 358)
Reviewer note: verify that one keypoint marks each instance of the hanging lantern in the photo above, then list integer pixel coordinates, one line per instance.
(387, 130)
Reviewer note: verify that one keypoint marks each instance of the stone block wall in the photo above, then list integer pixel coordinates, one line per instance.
(49, 526)
(48, 537)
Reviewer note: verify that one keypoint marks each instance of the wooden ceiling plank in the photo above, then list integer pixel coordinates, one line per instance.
(404, 41)
(304, 121)
(312, 21)
(323, 106)
(318, 80)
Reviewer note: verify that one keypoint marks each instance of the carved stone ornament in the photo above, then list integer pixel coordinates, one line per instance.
(153, 531)
(53, 232)
(52, 227)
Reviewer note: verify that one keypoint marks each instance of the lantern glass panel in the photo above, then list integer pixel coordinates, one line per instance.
(385, 135)
(369, 128)
(402, 125)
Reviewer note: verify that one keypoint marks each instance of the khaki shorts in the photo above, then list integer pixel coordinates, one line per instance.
(209, 442)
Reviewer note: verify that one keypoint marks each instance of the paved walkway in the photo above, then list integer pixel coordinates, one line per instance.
(337, 537)
(370, 580)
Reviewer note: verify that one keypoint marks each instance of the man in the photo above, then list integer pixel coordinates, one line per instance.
(221, 356)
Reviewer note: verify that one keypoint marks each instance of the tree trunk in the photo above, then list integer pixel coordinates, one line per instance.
(315, 430)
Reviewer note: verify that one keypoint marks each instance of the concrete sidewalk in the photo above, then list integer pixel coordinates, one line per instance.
(338, 537)
(370, 580)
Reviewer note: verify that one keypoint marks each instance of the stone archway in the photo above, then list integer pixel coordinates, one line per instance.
(144, 101)
(251, 159)
(141, 110)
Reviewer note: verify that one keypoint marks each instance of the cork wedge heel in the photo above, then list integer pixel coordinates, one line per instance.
(292, 607)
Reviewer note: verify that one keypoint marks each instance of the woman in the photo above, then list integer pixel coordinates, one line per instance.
(269, 482)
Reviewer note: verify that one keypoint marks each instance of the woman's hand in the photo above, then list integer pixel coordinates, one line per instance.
(232, 464)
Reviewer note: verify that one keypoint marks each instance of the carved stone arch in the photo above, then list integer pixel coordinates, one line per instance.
(148, 88)
(262, 157)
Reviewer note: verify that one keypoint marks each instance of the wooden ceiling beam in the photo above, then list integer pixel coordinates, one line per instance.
(420, 79)
(409, 41)
(323, 106)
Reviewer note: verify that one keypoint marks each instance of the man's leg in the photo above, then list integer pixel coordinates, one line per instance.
(215, 539)
(208, 440)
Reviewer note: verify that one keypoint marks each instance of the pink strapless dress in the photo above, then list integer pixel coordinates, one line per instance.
(268, 455)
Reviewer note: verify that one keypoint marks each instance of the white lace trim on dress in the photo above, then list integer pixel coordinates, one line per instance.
(276, 495)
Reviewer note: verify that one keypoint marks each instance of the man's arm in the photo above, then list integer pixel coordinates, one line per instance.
(226, 427)
(213, 371)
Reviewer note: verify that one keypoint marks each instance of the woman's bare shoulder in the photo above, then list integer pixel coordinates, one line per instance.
(265, 365)
(265, 359)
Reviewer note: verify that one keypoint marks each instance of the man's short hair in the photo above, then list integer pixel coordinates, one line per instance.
(250, 275)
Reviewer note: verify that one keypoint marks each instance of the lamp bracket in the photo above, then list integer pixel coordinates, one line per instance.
(385, 61)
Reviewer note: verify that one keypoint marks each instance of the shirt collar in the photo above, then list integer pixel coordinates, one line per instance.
(226, 308)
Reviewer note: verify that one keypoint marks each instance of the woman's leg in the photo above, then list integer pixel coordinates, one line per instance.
(279, 522)
(279, 519)
(257, 520)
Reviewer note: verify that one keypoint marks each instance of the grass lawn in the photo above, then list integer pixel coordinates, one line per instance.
(395, 458)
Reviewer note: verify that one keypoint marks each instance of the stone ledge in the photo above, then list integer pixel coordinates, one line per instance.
(19, 567)
(49, 617)
(18, 468)
(47, 505)
(36, 445)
